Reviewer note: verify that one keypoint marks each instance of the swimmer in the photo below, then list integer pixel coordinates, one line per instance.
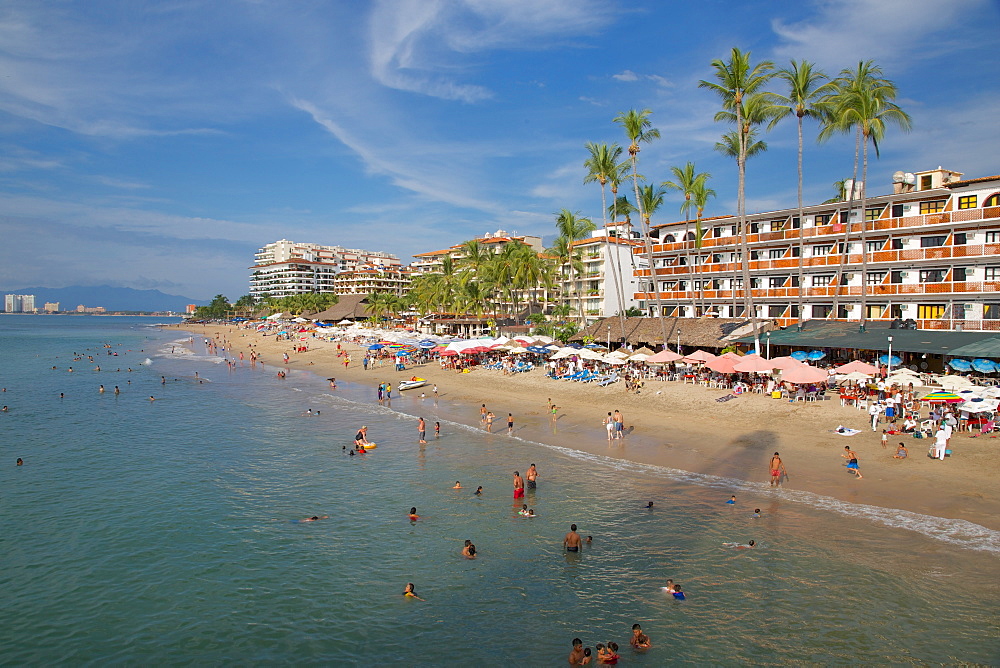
(756, 513)
(531, 512)
(152, 398)
(4, 409)
(639, 639)
(479, 491)
(437, 430)
(590, 539)
(749, 545)
(732, 500)
(62, 396)
(572, 540)
(670, 586)
(100, 389)
(410, 593)
(649, 506)
(457, 485)
(315, 518)
(678, 594)
(576, 655)
(413, 514)
(524, 509)
(20, 462)
(117, 391)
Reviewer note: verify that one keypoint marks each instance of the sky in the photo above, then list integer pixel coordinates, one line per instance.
(159, 144)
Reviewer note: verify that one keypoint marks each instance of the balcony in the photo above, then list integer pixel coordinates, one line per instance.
(958, 288)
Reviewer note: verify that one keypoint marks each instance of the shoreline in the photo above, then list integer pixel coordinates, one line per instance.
(681, 427)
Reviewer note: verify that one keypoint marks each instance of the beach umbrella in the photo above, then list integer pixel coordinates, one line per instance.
(730, 355)
(376, 346)
(785, 363)
(804, 374)
(984, 365)
(518, 351)
(448, 353)
(575, 346)
(857, 375)
(953, 382)
(644, 350)
(663, 357)
(699, 356)
(858, 366)
(404, 353)
(536, 349)
(754, 364)
(979, 406)
(607, 359)
(942, 397)
(800, 355)
(638, 357)
(619, 353)
(544, 339)
(815, 355)
(894, 360)
(990, 392)
(960, 365)
(722, 364)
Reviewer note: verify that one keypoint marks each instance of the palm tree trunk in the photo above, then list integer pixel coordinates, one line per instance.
(847, 227)
(802, 289)
(745, 253)
(687, 256)
(647, 243)
(619, 291)
(864, 239)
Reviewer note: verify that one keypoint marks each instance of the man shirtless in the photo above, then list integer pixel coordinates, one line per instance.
(777, 470)
(572, 540)
(518, 485)
(532, 476)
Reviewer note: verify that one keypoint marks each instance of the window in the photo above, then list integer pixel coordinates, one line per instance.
(717, 232)
(873, 214)
(931, 242)
(776, 281)
(737, 284)
(875, 277)
(932, 275)
(716, 284)
(775, 311)
(754, 283)
(896, 276)
(823, 219)
(925, 182)
(873, 246)
(796, 223)
(822, 310)
(669, 239)
(961, 238)
(991, 311)
(959, 274)
(754, 255)
(992, 200)
(993, 237)
(896, 244)
(795, 282)
(822, 280)
(992, 274)
(822, 250)
(754, 228)
(776, 253)
(796, 251)
(930, 311)
(875, 311)
(968, 201)
(897, 210)
(932, 207)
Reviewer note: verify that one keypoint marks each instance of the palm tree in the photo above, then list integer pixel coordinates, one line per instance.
(840, 187)
(573, 228)
(602, 165)
(862, 101)
(805, 98)
(686, 180)
(700, 196)
(639, 130)
(740, 84)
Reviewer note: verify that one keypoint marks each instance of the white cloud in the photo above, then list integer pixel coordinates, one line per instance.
(893, 33)
(626, 75)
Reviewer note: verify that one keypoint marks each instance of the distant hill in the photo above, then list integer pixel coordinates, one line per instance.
(113, 299)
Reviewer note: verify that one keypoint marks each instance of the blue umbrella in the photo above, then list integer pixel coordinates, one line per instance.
(377, 346)
(427, 344)
(895, 361)
(984, 366)
(960, 364)
(815, 355)
(575, 345)
(537, 349)
(592, 345)
(403, 353)
(800, 355)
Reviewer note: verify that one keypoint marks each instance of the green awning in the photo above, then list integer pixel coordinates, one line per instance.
(985, 348)
(835, 334)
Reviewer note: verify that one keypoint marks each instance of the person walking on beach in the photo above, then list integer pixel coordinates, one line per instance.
(518, 485)
(422, 430)
(532, 477)
(482, 414)
(510, 423)
(572, 540)
(619, 424)
(852, 461)
(489, 421)
(609, 424)
(777, 470)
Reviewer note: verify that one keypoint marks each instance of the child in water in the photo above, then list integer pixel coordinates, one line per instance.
(410, 593)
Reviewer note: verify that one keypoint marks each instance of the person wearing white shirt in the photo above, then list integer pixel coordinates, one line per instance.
(873, 411)
(940, 443)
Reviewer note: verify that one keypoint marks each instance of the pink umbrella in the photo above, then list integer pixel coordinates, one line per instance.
(699, 356)
(754, 364)
(785, 363)
(730, 356)
(448, 353)
(858, 366)
(663, 356)
(804, 374)
(722, 364)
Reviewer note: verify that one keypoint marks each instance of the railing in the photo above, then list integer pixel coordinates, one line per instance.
(890, 289)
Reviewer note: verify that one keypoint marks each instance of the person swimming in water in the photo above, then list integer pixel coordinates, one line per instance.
(749, 545)
(649, 506)
(409, 592)
(413, 514)
(479, 491)
(732, 500)
(457, 485)
(315, 518)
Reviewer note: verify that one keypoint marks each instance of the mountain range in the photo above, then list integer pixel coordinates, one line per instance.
(112, 299)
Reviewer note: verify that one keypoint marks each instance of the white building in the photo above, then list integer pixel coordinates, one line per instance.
(19, 303)
(284, 267)
(608, 262)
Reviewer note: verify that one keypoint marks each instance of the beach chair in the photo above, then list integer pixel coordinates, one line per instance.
(613, 379)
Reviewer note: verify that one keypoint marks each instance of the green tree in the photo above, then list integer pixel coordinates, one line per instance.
(807, 89)
(640, 130)
(686, 180)
(602, 166)
(572, 227)
(740, 85)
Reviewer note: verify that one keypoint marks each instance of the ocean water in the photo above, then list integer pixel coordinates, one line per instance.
(165, 532)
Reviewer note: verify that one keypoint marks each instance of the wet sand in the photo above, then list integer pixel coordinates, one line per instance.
(682, 426)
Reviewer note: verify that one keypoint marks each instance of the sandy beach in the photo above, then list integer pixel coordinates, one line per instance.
(682, 426)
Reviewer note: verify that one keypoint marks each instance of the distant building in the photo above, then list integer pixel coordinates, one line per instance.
(284, 267)
(51, 307)
(372, 279)
(190, 308)
(90, 309)
(432, 261)
(19, 303)
(608, 262)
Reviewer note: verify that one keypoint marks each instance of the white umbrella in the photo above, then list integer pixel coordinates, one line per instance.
(984, 406)
(856, 375)
(619, 354)
(299, 320)
(273, 316)
(953, 382)
(993, 392)
(638, 357)
(608, 359)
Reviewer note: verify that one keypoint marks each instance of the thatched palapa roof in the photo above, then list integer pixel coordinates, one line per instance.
(353, 307)
(700, 332)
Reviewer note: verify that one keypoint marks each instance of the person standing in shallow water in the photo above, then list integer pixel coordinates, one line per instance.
(777, 470)
(518, 485)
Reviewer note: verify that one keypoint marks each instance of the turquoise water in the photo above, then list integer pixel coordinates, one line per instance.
(164, 533)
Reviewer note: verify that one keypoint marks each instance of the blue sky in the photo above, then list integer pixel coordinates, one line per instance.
(157, 145)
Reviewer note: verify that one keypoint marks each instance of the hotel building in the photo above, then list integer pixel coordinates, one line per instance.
(432, 261)
(19, 303)
(928, 252)
(605, 256)
(367, 280)
(284, 267)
